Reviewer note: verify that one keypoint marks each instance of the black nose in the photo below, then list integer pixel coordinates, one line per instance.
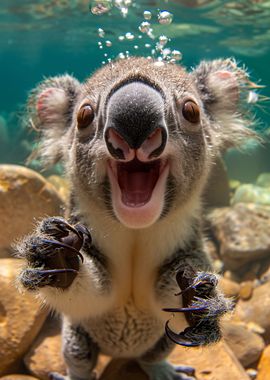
(135, 119)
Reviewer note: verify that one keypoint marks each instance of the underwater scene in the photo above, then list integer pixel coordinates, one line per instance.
(136, 243)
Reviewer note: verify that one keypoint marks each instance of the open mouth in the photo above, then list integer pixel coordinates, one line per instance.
(138, 188)
(137, 181)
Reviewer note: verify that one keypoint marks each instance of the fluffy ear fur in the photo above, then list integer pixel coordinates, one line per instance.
(224, 88)
(50, 108)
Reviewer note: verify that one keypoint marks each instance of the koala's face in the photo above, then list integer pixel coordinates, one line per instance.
(141, 136)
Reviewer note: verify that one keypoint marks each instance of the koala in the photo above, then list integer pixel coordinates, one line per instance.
(126, 268)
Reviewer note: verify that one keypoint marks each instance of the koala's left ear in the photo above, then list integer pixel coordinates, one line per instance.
(223, 88)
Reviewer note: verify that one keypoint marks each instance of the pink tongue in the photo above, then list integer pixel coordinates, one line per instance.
(136, 187)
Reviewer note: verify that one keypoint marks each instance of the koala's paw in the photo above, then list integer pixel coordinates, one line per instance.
(52, 254)
(203, 306)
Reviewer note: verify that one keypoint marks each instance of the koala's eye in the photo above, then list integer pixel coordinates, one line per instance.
(85, 116)
(191, 111)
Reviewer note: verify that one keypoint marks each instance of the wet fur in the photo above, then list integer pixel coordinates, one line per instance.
(119, 304)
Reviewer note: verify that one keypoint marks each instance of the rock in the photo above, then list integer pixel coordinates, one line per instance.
(264, 365)
(263, 180)
(18, 377)
(232, 276)
(242, 232)
(25, 196)
(250, 271)
(251, 194)
(246, 290)
(257, 309)
(123, 369)
(61, 184)
(229, 287)
(217, 190)
(246, 345)
(254, 327)
(45, 354)
(234, 184)
(216, 362)
(21, 317)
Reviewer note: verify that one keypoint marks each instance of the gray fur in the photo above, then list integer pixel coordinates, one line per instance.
(128, 275)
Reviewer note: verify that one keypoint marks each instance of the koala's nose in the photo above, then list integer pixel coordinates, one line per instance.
(135, 123)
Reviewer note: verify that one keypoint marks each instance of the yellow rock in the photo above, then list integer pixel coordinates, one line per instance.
(213, 363)
(21, 317)
(216, 362)
(25, 196)
(264, 365)
(246, 290)
(229, 288)
(45, 354)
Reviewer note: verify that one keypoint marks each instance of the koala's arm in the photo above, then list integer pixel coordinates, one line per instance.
(203, 304)
(65, 269)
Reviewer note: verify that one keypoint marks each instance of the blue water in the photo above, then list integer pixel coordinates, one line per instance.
(44, 38)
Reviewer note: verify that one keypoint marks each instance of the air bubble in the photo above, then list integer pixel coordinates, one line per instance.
(121, 56)
(108, 43)
(147, 46)
(129, 36)
(99, 7)
(101, 32)
(165, 17)
(147, 15)
(177, 55)
(166, 52)
(136, 47)
(163, 40)
(144, 27)
(123, 6)
(121, 38)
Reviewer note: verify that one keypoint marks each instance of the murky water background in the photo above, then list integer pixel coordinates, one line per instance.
(44, 38)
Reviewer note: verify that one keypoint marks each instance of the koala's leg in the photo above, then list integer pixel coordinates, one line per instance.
(65, 268)
(80, 353)
(157, 368)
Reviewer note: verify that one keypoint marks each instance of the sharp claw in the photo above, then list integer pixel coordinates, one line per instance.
(63, 245)
(185, 309)
(48, 272)
(82, 230)
(180, 338)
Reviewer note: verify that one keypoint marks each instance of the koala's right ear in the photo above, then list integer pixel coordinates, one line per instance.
(50, 107)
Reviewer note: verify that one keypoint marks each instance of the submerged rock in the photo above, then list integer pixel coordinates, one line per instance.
(61, 184)
(245, 344)
(263, 180)
(257, 309)
(264, 365)
(251, 194)
(242, 232)
(229, 288)
(21, 317)
(216, 362)
(45, 354)
(25, 196)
